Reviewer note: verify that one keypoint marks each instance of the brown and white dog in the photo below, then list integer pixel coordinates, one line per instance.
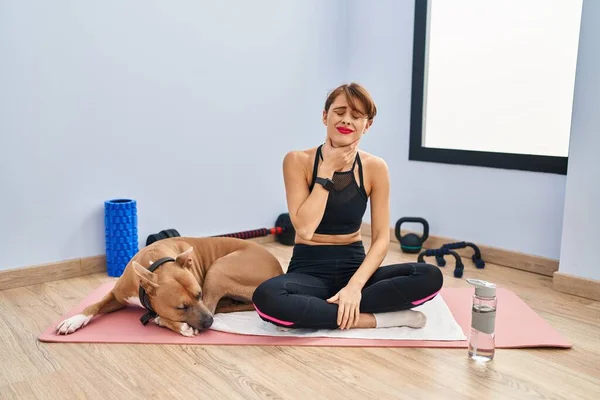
(205, 276)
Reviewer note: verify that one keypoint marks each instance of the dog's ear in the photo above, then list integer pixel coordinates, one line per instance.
(148, 280)
(185, 259)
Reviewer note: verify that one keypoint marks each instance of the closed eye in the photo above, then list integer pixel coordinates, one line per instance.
(183, 307)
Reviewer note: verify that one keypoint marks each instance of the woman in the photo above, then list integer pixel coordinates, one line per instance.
(330, 282)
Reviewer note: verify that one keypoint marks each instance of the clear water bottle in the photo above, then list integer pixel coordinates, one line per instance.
(482, 340)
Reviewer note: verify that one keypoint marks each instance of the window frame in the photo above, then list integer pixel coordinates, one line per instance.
(417, 152)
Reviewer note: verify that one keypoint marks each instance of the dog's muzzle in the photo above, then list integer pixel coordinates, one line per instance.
(202, 323)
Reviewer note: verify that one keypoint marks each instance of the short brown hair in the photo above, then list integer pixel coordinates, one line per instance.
(353, 91)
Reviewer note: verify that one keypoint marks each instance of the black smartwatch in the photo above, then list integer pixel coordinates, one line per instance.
(326, 183)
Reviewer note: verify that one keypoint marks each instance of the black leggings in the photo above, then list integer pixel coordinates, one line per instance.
(297, 299)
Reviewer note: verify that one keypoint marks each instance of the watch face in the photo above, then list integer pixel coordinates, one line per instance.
(327, 183)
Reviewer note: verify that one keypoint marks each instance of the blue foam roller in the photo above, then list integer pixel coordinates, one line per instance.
(121, 234)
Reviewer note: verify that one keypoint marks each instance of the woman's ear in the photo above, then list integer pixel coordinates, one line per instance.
(325, 117)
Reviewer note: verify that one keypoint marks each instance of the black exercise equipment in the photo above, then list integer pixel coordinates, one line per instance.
(412, 243)
(254, 233)
(284, 232)
(476, 257)
(167, 233)
(288, 233)
(439, 255)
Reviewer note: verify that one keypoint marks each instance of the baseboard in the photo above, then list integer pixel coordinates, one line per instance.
(507, 258)
(18, 277)
(576, 285)
(33, 275)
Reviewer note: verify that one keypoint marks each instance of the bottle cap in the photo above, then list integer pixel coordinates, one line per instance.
(483, 288)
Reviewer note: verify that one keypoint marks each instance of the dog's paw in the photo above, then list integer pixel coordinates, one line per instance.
(157, 321)
(70, 325)
(187, 330)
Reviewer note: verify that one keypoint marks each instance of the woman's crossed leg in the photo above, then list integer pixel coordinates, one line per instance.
(298, 300)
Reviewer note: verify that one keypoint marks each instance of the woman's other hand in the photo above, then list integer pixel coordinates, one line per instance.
(348, 301)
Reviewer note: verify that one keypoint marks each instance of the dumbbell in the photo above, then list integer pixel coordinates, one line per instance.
(287, 234)
(283, 230)
(167, 233)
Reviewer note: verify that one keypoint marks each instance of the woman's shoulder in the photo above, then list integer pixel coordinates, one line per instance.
(300, 157)
(375, 171)
(372, 161)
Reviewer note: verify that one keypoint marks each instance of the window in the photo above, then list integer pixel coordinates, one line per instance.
(493, 82)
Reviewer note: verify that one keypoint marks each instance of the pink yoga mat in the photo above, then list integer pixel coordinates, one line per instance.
(517, 326)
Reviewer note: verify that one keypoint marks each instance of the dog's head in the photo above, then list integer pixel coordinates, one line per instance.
(175, 293)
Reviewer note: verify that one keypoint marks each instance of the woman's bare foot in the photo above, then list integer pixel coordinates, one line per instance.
(366, 321)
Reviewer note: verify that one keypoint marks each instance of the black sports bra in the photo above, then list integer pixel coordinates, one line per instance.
(346, 203)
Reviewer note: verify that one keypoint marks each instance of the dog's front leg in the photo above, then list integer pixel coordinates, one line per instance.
(211, 300)
(178, 327)
(108, 304)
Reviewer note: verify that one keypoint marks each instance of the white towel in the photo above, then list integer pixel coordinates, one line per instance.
(441, 325)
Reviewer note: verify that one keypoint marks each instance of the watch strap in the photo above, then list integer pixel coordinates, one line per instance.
(325, 182)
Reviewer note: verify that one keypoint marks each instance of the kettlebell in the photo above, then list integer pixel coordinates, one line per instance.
(412, 243)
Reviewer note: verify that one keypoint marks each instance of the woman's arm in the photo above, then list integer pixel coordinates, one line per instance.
(380, 225)
(305, 208)
(348, 299)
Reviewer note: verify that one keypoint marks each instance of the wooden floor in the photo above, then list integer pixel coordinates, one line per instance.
(31, 369)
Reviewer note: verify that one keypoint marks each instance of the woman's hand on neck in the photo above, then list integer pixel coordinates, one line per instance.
(337, 145)
(339, 158)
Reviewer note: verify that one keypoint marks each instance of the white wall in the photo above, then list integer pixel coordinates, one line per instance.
(187, 107)
(514, 210)
(172, 104)
(581, 236)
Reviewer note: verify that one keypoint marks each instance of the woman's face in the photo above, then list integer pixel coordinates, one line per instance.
(345, 125)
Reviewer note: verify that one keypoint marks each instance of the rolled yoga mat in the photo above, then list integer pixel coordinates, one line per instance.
(517, 326)
(121, 234)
